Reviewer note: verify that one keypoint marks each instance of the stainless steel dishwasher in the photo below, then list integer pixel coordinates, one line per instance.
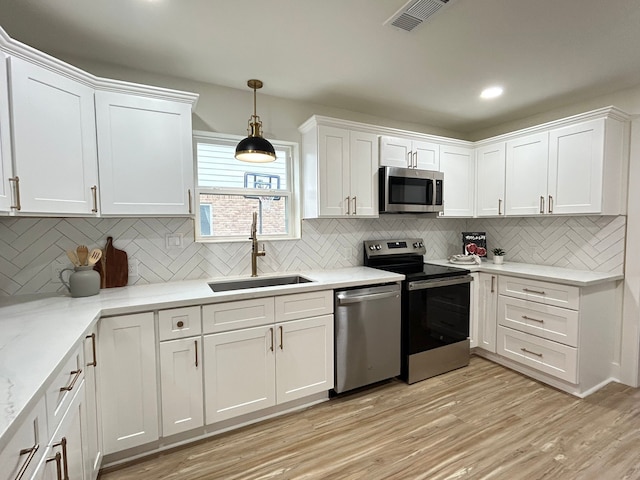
(367, 335)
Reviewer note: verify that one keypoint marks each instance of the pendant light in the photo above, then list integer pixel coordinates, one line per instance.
(255, 148)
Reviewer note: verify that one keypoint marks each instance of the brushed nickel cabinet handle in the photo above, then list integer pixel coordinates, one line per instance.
(271, 335)
(532, 353)
(16, 182)
(58, 460)
(94, 194)
(415, 159)
(532, 319)
(493, 279)
(540, 292)
(409, 159)
(190, 208)
(32, 453)
(281, 338)
(348, 202)
(93, 349)
(195, 344)
(69, 387)
(499, 206)
(541, 204)
(550, 204)
(355, 205)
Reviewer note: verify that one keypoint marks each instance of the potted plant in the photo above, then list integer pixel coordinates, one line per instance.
(498, 256)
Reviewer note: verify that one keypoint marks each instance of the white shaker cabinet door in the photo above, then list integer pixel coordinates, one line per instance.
(93, 441)
(576, 161)
(145, 155)
(128, 383)
(490, 180)
(487, 304)
(239, 372)
(457, 164)
(181, 382)
(304, 357)
(395, 152)
(526, 180)
(5, 138)
(333, 171)
(427, 155)
(363, 174)
(54, 141)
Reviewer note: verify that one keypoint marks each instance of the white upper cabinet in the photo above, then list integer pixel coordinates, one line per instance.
(145, 155)
(340, 171)
(526, 174)
(490, 179)
(5, 138)
(407, 153)
(586, 168)
(54, 141)
(457, 164)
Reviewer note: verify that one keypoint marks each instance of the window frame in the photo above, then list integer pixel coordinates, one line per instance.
(292, 192)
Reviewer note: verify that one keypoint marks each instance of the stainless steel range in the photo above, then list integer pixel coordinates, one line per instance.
(435, 308)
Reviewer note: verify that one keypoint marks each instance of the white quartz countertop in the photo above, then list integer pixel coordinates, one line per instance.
(37, 333)
(566, 276)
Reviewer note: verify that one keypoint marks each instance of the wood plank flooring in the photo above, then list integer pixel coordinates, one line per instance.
(479, 422)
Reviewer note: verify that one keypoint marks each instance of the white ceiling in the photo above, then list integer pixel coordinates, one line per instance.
(546, 53)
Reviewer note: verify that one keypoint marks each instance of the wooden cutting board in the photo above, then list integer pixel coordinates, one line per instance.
(113, 266)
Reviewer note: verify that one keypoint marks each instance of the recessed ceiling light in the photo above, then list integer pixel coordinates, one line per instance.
(491, 92)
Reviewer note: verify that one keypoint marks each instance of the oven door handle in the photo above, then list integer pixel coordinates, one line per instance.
(423, 284)
(345, 299)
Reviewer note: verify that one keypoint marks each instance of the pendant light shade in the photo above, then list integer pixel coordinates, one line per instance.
(255, 148)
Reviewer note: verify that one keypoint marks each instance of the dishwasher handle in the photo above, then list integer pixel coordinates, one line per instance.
(344, 298)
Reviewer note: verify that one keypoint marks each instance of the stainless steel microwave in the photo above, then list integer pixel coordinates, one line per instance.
(410, 190)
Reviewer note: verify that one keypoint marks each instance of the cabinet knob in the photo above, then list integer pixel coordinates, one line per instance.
(180, 324)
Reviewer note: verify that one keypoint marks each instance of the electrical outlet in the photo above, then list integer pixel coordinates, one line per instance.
(133, 267)
(56, 268)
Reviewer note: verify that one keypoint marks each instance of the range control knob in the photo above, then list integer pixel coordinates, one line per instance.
(420, 244)
(372, 247)
(416, 244)
(378, 247)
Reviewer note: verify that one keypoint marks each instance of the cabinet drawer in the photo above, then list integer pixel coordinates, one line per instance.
(304, 305)
(553, 323)
(179, 323)
(221, 317)
(63, 388)
(30, 439)
(555, 294)
(546, 356)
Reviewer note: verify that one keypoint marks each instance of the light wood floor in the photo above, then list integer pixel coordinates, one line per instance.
(479, 422)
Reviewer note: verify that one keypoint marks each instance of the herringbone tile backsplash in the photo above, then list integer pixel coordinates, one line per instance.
(29, 247)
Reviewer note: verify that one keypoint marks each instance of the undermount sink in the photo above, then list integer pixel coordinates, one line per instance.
(258, 282)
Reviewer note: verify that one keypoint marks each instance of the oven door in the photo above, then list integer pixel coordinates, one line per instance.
(436, 313)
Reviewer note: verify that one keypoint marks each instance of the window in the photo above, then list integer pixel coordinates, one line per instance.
(228, 191)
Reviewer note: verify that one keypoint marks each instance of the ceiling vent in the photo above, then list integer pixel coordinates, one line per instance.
(414, 13)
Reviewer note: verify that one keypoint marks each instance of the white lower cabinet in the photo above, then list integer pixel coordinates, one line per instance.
(486, 304)
(181, 385)
(249, 369)
(549, 357)
(66, 453)
(93, 457)
(563, 335)
(240, 372)
(128, 382)
(304, 358)
(26, 447)
(255, 368)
